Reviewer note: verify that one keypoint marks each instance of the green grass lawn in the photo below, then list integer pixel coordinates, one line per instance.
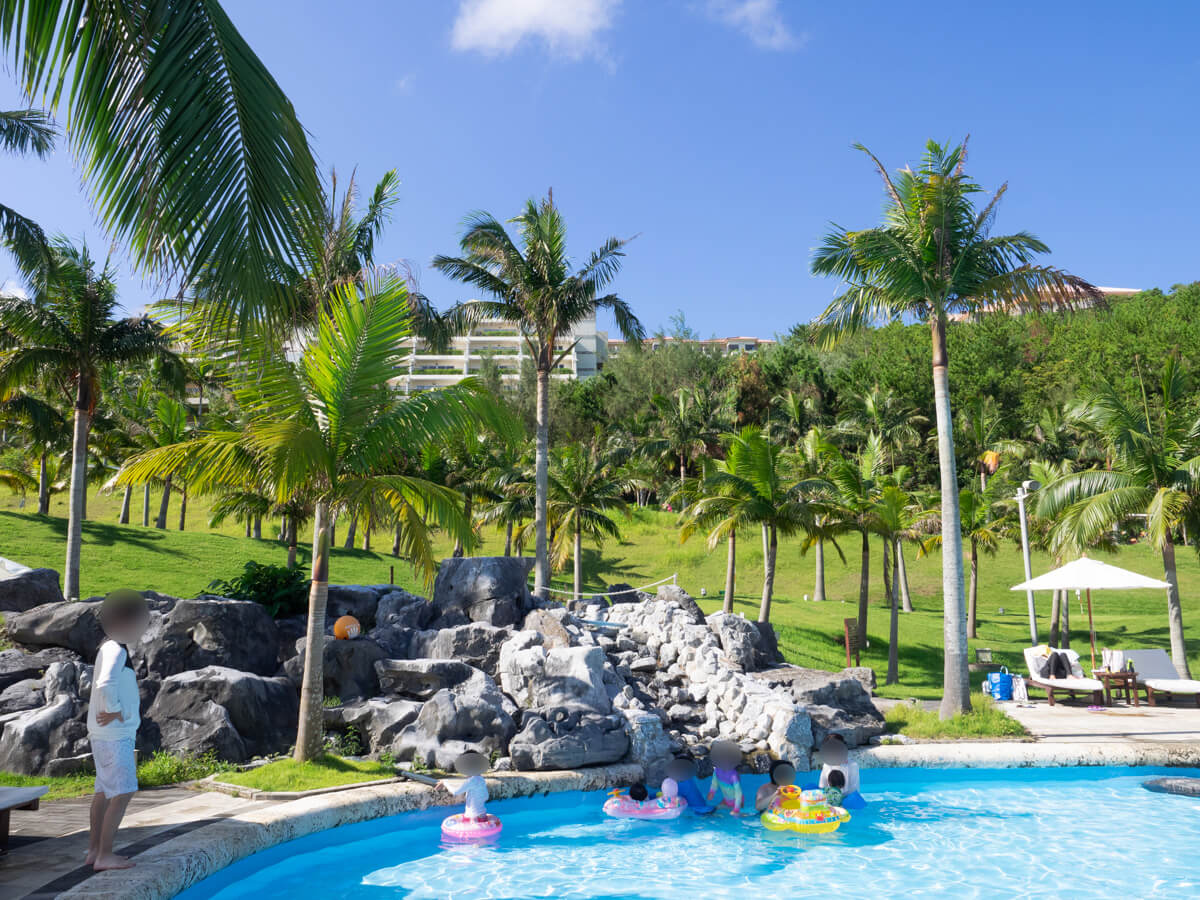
(985, 721)
(161, 769)
(183, 564)
(324, 771)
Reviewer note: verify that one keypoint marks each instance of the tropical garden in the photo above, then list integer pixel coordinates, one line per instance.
(863, 467)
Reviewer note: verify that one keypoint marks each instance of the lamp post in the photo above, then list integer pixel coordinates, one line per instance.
(1027, 488)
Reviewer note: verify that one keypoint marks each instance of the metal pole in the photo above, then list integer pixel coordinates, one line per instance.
(1021, 495)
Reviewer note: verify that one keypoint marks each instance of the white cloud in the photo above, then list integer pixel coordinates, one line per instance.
(570, 28)
(760, 20)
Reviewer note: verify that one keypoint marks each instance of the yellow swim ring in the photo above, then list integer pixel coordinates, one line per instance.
(806, 812)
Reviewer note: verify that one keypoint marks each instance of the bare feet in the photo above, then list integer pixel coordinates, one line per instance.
(111, 861)
(91, 856)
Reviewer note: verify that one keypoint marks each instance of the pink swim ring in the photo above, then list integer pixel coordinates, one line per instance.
(460, 828)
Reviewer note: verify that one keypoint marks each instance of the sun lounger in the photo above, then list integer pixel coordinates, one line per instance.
(1156, 674)
(16, 798)
(1076, 684)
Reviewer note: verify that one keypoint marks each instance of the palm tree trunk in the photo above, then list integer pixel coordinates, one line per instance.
(864, 587)
(973, 592)
(351, 533)
(291, 542)
(83, 422)
(367, 536)
(893, 669)
(819, 587)
(43, 486)
(1064, 612)
(541, 569)
(247, 527)
(396, 541)
(161, 521)
(123, 519)
(183, 507)
(310, 736)
(508, 530)
(146, 505)
(682, 476)
(578, 564)
(1055, 615)
(905, 597)
(1174, 611)
(887, 572)
(956, 689)
(730, 572)
(258, 528)
(459, 549)
(764, 611)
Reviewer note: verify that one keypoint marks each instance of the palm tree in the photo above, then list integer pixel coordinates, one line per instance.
(934, 257)
(856, 482)
(813, 450)
(45, 428)
(882, 412)
(584, 490)
(508, 478)
(25, 131)
(68, 333)
(318, 427)
(753, 486)
(1155, 452)
(191, 149)
(533, 286)
(687, 425)
(893, 518)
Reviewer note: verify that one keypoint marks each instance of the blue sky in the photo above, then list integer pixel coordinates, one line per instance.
(719, 131)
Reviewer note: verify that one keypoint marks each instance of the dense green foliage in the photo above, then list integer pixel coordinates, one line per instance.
(282, 590)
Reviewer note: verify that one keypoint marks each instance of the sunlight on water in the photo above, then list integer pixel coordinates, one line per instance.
(1019, 833)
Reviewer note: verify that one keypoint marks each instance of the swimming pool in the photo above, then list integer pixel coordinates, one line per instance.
(1079, 832)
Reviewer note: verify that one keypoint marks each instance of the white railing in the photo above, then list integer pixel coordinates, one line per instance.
(673, 578)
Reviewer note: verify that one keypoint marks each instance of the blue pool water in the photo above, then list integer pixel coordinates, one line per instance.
(1056, 833)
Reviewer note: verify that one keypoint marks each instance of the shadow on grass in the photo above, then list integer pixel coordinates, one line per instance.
(96, 533)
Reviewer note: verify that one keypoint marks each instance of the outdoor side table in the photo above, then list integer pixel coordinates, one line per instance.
(1121, 683)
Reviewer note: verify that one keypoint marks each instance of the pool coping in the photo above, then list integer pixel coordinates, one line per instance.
(183, 861)
(213, 783)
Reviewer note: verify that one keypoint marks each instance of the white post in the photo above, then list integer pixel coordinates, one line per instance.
(1021, 495)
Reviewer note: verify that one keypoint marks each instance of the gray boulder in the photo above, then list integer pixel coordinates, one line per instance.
(673, 593)
(290, 630)
(550, 626)
(22, 592)
(73, 625)
(836, 702)
(21, 696)
(17, 665)
(649, 745)
(396, 640)
(476, 643)
(1185, 787)
(741, 641)
(451, 723)
(401, 609)
(491, 589)
(31, 740)
(378, 721)
(420, 679)
(351, 600)
(237, 714)
(210, 631)
(562, 677)
(568, 739)
(624, 593)
(349, 667)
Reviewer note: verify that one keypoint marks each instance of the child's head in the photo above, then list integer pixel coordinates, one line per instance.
(834, 751)
(471, 763)
(782, 773)
(669, 789)
(681, 769)
(837, 779)
(124, 616)
(638, 792)
(725, 755)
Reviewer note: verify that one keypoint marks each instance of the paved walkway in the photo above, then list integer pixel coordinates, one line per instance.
(47, 847)
(1114, 724)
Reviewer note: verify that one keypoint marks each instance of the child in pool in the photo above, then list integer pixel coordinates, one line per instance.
(835, 792)
(639, 793)
(725, 758)
(783, 773)
(474, 790)
(835, 757)
(682, 770)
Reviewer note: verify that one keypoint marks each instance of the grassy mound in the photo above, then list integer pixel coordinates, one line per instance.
(985, 721)
(324, 771)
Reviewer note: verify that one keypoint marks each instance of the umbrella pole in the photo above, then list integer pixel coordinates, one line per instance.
(1092, 629)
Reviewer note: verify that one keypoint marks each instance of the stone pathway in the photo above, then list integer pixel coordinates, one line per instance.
(47, 847)
(1114, 724)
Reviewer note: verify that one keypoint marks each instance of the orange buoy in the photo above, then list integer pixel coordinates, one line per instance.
(346, 628)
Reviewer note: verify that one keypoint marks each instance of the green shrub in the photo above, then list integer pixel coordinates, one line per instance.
(985, 720)
(170, 768)
(281, 590)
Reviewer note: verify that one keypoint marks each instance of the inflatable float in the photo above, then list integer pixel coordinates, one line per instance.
(620, 805)
(461, 828)
(805, 812)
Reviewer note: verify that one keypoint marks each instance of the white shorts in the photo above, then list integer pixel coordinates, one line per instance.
(116, 767)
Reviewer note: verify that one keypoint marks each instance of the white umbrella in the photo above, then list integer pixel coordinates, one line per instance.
(1089, 575)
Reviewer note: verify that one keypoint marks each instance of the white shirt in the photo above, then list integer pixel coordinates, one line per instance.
(850, 770)
(475, 791)
(114, 689)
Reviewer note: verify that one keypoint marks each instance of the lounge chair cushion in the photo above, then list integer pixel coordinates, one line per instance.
(1035, 658)
(1071, 684)
(1172, 685)
(1152, 664)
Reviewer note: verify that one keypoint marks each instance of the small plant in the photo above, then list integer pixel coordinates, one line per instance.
(332, 702)
(350, 743)
(171, 768)
(281, 590)
(387, 759)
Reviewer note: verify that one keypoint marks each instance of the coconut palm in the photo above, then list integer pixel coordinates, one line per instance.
(933, 257)
(534, 287)
(45, 429)
(25, 131)
(193, 153)
(893, 518)
(1155, 453)
(813, 451)
(318, 427)
(68, 334)
(754, 485)
(897, 422)
(687, 424)
(584, 492)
